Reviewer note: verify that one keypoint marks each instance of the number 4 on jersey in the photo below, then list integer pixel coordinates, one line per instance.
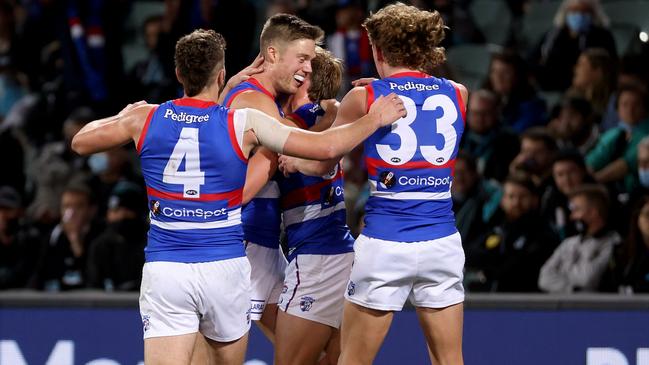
(192, 178)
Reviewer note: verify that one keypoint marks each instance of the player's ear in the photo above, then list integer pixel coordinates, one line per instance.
(220, 78)
(178, 75)
(272, 54)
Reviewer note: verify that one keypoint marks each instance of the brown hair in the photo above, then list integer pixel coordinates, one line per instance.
(287, 28)
(197, 56)
(407, 36)
(326, 75)
(595, 195)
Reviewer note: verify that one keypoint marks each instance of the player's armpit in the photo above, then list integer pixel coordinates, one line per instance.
(261, 168)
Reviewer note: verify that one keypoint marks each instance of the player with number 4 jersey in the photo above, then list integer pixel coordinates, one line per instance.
(409, 249)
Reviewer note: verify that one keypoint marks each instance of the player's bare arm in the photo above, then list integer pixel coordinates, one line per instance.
(328, 145)
(104, 134)
(352, 107)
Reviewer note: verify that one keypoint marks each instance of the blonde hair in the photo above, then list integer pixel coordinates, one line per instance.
(407, 36)
(326, 76)
(287, 28)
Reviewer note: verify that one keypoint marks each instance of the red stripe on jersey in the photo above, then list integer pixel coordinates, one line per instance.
(307, 193)
(195, 103)
(370, 97)
(298, 120)
(140, 140)
(233, 197)
(460, 103)
(237, 94)
(255, 82)
(373, 163)
(233, 137)
(410, 74)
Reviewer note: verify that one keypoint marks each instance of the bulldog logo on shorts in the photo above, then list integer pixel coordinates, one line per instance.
(306, 303)
(351, 288)
(387, 179)
(146, 324)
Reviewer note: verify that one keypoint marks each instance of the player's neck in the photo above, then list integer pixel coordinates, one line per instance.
(206, 95)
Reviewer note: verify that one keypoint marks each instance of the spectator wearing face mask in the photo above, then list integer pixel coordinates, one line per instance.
(614, 159)
(574, 126)
(508, 257)
(115, 258)
(578, 25)
(580, 261)
(538, 149)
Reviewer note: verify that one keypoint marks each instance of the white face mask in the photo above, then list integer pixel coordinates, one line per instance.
(98, 163)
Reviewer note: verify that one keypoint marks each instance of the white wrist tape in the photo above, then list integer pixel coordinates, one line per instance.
(269, 131)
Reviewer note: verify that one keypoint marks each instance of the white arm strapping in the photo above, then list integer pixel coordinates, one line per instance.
(269, 131)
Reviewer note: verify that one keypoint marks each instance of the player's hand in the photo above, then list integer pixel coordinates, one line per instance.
(363, 81)
(130, 107)
(286, 165)
(329, 105)
(387, 109)
(254, 68)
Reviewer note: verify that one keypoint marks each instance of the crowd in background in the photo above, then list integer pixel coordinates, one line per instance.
(550, 194)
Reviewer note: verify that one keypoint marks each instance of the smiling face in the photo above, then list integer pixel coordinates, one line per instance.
(292, 64)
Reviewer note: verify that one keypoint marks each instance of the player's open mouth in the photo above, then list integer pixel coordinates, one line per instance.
(299, 79)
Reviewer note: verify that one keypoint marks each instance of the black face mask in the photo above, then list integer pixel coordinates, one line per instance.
(128, 228)
(12, 227)
(581, 226)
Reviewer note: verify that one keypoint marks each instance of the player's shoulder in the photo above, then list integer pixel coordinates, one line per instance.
(464, 92)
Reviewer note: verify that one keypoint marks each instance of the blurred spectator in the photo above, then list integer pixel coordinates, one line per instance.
(569, 173)
(634, 263)
(632, 71)
(461, 26)
(115, 258)
(578, 25)
(53, 168)
(148, 78)
(508, 78)
(486, 139)
(614, 158)
(575, 125)
(580, 261)
(470, 193)
(109, 168)
(12, 82)
(62, 262)
(13, 168)
(18, 244)
(594, 79)
(538, 150)
(509, 256)
(351, 43)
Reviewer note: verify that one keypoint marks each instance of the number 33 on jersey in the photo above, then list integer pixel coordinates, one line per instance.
(410, 164)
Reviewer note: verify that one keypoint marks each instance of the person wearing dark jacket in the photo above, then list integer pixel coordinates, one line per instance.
(509, 256)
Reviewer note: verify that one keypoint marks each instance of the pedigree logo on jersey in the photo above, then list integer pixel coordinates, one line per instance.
(412, 86)
(387, 179)
(186, 118)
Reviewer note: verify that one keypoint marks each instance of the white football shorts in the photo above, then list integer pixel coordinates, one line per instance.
(212, 298)
(267, 277)
(314, 287)
(387, 273)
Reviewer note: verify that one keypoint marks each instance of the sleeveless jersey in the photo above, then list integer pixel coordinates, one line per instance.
(410, 163)
(313, 208)
(261, 216)
(194, 171)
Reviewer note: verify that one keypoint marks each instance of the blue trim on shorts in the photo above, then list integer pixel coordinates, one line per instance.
(297, 273)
